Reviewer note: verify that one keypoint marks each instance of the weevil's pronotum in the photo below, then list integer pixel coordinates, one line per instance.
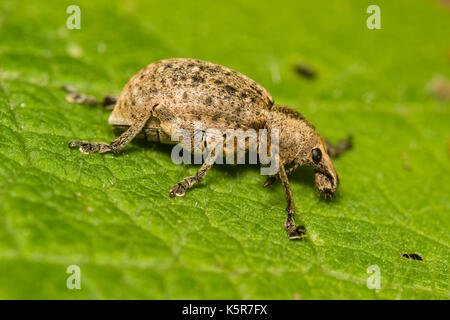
(174, 93)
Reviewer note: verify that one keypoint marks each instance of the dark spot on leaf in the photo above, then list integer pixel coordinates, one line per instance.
(412, 256)
(305, 70)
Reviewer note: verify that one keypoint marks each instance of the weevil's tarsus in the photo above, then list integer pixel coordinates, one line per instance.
(293, 231)
(74, 96)
(179, 189)
(117, 145)
(87, 147)
(339, 148)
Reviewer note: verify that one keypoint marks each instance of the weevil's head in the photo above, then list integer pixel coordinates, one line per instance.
(303, 145)
(314, 155)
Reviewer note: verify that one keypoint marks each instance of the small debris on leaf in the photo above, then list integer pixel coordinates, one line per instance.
(305, 70)
(412, 256)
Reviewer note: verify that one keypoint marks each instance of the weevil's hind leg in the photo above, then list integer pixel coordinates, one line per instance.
(109, 102)
(73, 96)
(179, 189)
(340, 147)
(117, 145)
(293, 231)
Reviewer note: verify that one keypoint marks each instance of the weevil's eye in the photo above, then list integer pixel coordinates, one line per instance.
(316, 155)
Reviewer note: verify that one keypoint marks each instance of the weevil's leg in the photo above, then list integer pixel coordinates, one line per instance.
(117, 145)
(341, 147)
(294, 231)
(109, 102)
(181, 187)
(75, 97)
(272, 179)
(269, 181)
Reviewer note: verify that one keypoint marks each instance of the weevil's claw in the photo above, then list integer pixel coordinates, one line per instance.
(269, 181)
(178, 190)
(298, 233)
(75, 97)
(294, 232)
(87, 147)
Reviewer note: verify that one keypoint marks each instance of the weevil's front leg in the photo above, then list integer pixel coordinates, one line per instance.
(294, 231)
(333, 150)
(75, 97)
(117, 145)
(181, 187)
(340, 147)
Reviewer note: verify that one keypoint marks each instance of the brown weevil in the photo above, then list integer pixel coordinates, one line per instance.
(173, 93)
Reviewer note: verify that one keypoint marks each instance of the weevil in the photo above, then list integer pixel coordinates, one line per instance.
(173, 93)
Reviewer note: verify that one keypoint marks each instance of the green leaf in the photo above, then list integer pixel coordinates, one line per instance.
(111, 215)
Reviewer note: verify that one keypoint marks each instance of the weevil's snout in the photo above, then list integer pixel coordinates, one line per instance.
(326, 184)
(327, 179)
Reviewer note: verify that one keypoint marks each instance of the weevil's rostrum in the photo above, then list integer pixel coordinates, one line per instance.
(175, 93)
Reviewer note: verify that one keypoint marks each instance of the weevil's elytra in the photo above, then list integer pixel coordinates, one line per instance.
(174, 93)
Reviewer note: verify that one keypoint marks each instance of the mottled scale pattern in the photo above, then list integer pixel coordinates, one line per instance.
(195, 90)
